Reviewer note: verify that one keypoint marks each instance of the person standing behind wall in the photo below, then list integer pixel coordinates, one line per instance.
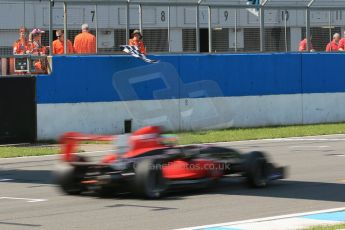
(36, 48)
(35, 39)
(21, 46)
(58, 44)
(342, 43)
(85, 42)
(137, 41)
(303, 46)
(333, 46)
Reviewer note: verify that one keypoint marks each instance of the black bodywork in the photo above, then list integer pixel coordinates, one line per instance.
(144, 175)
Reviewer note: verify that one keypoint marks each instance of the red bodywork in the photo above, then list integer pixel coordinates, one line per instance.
(140, 142)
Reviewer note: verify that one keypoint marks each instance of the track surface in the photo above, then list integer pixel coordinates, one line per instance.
(316, 181)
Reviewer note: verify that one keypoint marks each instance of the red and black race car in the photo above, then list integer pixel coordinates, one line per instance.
(147, 163)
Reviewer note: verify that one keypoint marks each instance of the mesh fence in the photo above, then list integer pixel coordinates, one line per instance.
(189, 40)
(175, 28)
(251, 41)
(324, 24)
(15, 15)
(321, 36)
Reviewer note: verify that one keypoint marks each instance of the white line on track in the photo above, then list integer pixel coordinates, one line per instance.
(308, 146)
(228, 224)
(19, 198)
(4, 180)
(288, 140)
(309, 139)
(291, 139)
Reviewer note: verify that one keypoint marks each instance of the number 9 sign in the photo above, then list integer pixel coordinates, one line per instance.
(226, 15)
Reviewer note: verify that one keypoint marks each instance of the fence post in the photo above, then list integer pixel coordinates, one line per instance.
(285, 30)
(307, 27)
(141, 18)
(236, 30)
(96, 22)
(209, 31)
(262, 29)
(51, 27)
(329, 26)
(127, 22)
(197, 34)
(169, 46)
(65, 26)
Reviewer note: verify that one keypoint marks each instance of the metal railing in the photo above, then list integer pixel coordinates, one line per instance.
(180, 26)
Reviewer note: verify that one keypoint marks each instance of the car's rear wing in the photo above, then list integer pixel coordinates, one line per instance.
(123, 143)
(70, 141)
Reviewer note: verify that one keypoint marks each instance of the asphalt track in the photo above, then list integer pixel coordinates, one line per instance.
(29, 200)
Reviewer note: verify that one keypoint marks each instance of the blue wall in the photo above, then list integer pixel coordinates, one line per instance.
(323, 73)
(122, 77)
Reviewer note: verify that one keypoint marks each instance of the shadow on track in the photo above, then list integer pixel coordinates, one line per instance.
(321, 191)
(307, 190)
(27, 176)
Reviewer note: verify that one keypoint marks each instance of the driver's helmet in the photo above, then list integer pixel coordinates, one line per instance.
(146, 137)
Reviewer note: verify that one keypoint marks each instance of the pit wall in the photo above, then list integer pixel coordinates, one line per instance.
(96, 94)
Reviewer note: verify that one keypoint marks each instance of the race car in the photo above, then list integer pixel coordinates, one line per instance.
(150, 163)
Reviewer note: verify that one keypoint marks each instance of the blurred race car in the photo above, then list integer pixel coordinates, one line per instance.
(149, 163)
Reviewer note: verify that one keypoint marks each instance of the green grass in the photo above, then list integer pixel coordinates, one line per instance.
(205, 137)
(260, 133)
(6, 152)
(327, 227)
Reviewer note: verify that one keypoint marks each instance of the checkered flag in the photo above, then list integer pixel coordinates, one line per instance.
(134, 51)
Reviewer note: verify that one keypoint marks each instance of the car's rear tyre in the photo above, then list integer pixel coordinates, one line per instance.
(65, 177)
(256, 171)
(149, 180)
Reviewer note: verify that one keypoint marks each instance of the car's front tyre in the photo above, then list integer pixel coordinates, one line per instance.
(256, 170)
(149, 180)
